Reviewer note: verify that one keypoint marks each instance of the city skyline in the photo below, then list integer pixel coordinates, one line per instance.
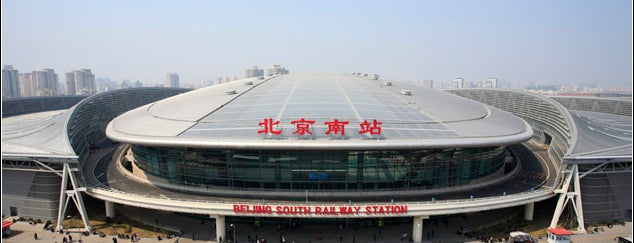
(565, 42)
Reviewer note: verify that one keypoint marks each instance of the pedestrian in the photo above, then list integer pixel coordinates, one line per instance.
(374, 237)
(70, 238)
(340, 239)
(64, 240)
(193, 236)
(35, 236)
(354, 240)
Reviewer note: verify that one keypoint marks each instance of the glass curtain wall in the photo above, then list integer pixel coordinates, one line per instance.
(320, 170)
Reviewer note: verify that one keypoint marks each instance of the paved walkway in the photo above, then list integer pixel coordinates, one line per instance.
(203, 232)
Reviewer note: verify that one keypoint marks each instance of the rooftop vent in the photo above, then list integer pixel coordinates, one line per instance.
(231, 92)
(406, 92)
(387, 83)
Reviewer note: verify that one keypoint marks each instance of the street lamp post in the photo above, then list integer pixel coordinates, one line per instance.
(234, 233)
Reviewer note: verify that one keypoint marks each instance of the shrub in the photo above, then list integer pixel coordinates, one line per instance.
(128, 228)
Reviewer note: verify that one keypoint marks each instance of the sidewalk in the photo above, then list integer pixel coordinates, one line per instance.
(22, 232)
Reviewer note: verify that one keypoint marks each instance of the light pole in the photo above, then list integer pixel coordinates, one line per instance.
(234, 233)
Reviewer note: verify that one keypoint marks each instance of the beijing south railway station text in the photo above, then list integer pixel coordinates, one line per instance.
(290, 210)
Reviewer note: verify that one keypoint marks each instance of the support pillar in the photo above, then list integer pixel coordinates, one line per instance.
(528, 211)
(220, 228)
(574, 197)
(417, 228)
(110, 209)
(73, 194)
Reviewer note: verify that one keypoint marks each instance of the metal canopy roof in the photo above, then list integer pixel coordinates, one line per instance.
(228, 116)
(601, 134)
(42, 133)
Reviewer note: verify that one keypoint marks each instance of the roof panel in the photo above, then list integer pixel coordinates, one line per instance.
(421, 118)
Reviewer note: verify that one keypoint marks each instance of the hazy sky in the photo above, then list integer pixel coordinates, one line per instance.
(516, 41)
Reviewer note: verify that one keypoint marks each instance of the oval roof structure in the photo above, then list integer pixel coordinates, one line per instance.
(234, 115)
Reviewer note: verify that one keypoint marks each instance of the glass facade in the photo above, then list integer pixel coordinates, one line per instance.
(290, 170)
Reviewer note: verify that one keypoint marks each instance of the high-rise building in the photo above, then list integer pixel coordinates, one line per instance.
(171, 80)
(70, 83)
(276, 69)
(10, 82)
(27, 84)
(81, 82)
(45, 82)
(254, 72)
(457, 83)
(490, 83)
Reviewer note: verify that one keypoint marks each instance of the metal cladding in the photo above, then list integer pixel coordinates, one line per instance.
(318, 111)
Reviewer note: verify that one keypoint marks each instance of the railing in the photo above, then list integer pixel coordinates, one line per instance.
(225, 206)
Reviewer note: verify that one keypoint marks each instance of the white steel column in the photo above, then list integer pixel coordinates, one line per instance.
(110, 209)
(574, 197)
(73, 194)
(220, 228)
(417, 228)
(529, 209)
(578, 208)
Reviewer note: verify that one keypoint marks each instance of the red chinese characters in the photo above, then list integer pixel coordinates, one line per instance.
(373, 129)
(302, 126)
(336, 126)
(268, 127)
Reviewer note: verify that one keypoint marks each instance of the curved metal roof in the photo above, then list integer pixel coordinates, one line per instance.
(52, 133)
(42, 133)
(230, 116)
(602, 134)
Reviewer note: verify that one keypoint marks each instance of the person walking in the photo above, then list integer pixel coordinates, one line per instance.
(35, 236)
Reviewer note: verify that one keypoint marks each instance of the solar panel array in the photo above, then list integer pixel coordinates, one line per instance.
(322, 98)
